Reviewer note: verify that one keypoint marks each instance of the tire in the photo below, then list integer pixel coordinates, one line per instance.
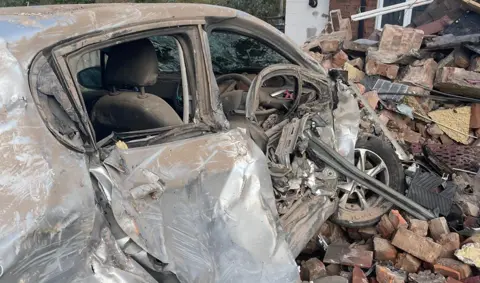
(357, 217)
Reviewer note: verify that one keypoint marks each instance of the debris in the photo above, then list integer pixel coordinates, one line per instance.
(386, 275)
(312, 269)
(400, 40)
(450, 243)
(469, 208)
(332, 279)
(426, 276)
(419, 227)
(384, 250)
(420, 247)
(475, 116)
(469, 254)
(407, 262)
(372, 98)
(461, 58)
(333, 269)
(452, 268)
(438, 227)
(354, 74)
(454, 122)
(358, 276)
(451, 41)
(475, 64)
(385, 227)
(458, 81)
(341, 254)
(420, 72)
(357, 63)
(397, 219)
(339, 59)
(374, 67)
(435, 26)
(434, 130)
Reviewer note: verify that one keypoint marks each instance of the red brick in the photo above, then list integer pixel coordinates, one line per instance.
(312, 269)
(385, 227)
(327, 64)
(450, 243)
(372, 98)
(452, 268)
(357, 62)
(475, 116)
(400, 40)
(329, 45)
(384, 250)
(339, 59)
(358, 276)
(420, 247)
(397, 219)
(420, 72)
(435, 26)
(407, 263)
(438, 227)
(386, 275)
(419, 227)
(374, 67)
(456, 80)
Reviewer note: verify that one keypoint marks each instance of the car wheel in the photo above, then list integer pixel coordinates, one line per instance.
(358, 206)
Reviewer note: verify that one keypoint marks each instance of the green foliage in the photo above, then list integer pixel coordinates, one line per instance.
(259, 8)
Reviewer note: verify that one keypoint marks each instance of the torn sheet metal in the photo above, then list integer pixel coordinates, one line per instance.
(215, 220)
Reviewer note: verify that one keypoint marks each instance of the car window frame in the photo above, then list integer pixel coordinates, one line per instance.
(61, 53)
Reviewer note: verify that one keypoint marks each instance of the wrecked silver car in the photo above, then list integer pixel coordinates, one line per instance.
(162, 143)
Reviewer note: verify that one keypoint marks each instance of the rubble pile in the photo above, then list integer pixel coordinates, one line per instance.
(424, 90)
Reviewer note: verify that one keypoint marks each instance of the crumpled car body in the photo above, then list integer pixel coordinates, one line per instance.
(201, 207)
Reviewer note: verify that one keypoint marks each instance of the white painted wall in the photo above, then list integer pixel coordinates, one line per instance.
(302, 21)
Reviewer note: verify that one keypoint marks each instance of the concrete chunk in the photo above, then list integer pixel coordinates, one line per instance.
(458, 81)
(420, 247)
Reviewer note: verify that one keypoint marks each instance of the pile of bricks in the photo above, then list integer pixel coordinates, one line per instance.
(417, 64)
(395, 250)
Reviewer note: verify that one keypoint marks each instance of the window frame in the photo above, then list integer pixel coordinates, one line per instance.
(203, 112)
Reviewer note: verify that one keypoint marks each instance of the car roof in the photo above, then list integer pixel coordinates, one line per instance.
(28, 30)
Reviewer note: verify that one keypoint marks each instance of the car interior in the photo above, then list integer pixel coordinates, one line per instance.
(139, 85)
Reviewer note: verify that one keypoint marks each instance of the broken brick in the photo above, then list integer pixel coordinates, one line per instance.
(411, 136)
(339, 59)
(400, 40)
(354, 74)
(397, 219)
(438, 227)
(452, 268)
(419, 227)
(329, 45)
(312, 269)
(420, 72)
(374, 67)
(358, 276)
(450, 243)
(386, 275)
(385, 227)
(458, 81)
(357, 63)
(344, 255)
(407, 262)
(420, 247)
(372, 98)
(384, 250)
(461, 58)
(475, 64)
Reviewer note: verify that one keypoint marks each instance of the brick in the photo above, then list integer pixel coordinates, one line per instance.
(344, 255)
(400, 40)
(385, 227)
(475, 116)
(474, 279)
(358, 276)
(397, 219)
(372, 98)
(354, 74)
(458, 81)
(384, 250)
(469, 208)
(450, 243)
(411, 137)
(357, 63)
(339, 59)
(420, 72)
(361, 88)
(420, 247)
(419, 227)
(461, 58)
(327, 64)
(312, 269)
(333, 269)
(407, 262)
(374, 67)
(475, 64)
(448, 61)
(438, 227)
(452, 268)
(435, 26)
(386, 275)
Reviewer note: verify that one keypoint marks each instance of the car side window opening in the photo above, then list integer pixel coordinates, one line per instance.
(139, 86)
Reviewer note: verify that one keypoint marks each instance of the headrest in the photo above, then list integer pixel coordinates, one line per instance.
(132, 64)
